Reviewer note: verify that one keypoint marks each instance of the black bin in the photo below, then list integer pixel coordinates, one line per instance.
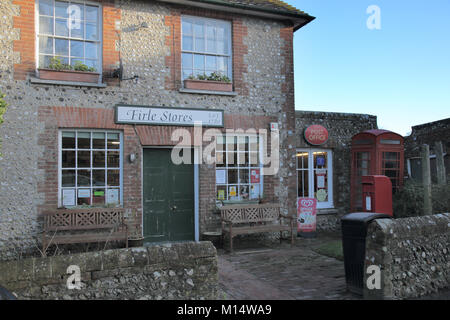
(354, 231)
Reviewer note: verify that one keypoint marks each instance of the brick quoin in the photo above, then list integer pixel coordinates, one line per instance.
(288, 109)
(26, 45)
(173, 41)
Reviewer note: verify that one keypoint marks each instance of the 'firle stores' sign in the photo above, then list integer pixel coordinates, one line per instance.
(127, 114)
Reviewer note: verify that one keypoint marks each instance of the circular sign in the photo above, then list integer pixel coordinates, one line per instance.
(316, 134)
(321, 195)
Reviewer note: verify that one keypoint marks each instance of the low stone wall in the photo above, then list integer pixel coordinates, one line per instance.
(328, 222)
(173, 271)
(412, 253)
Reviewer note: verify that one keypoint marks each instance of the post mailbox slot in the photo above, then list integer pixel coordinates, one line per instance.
(377, 194)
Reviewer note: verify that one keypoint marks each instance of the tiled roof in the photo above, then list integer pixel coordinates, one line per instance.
(265, 8)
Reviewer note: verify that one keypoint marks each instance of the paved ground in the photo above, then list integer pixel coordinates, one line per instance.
(282, 272)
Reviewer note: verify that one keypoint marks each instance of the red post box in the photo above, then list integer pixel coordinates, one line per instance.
(377, 194)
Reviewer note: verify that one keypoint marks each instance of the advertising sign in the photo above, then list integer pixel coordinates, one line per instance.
(316, 134)
(306, 215)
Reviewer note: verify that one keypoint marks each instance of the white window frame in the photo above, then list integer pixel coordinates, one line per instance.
(320, 205)
(193, 52)
(60, 168)
(100, 33)
(226, 168)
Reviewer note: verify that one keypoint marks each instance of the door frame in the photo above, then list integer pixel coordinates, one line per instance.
(320, 205)
(196, 188)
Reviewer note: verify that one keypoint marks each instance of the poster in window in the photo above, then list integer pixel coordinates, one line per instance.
(221, 194)
(322, 195)
(254, 176)
(68, 197)
(112, 196)
(221, 177)
(320, 161)
(99, 196)
(84, 193)
(321, 178)
(254, 191)
(232, 191)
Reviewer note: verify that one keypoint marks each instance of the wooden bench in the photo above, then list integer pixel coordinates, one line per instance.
(254, 218)
(66, 226)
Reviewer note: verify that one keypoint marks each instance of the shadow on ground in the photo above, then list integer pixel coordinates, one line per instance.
(307, 270)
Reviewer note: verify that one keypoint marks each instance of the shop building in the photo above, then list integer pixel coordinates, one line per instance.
(106, 140)
(323, 167)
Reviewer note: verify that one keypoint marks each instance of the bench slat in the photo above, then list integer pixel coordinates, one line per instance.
(83, 220)
(241, 219)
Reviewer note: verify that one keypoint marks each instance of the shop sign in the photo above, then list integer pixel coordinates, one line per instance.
(306, 214)
(128, 114)
(316, 135)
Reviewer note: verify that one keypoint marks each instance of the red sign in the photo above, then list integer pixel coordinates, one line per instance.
(316, 134)
(306, 214)
(254, 176)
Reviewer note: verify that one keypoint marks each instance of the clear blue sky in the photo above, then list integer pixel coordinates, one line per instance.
(400, 73)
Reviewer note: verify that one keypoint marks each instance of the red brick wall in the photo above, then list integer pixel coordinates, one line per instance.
(55, 118)
(173, 41)
(134, 137)
(26, 46)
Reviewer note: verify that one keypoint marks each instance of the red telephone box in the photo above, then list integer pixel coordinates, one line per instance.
(375, 152)
(377, 194)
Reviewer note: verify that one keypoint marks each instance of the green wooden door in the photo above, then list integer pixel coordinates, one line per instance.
(168, 198)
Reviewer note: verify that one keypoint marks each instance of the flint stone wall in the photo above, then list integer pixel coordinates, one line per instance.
(412, 253)
(144, 53)
(174, 271)
(341, 128)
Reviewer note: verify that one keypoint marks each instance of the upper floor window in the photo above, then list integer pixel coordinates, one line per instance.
(206, 47)
(69, 30)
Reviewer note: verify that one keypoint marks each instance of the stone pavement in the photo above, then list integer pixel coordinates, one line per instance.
(282, 272)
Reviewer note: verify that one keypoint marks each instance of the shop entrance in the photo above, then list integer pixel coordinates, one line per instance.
(168, 197)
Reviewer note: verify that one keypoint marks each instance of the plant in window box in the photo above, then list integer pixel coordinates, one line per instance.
(213, 82)
(57, 70)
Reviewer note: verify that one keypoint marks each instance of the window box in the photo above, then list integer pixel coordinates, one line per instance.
(208, 85)
(69, 75)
